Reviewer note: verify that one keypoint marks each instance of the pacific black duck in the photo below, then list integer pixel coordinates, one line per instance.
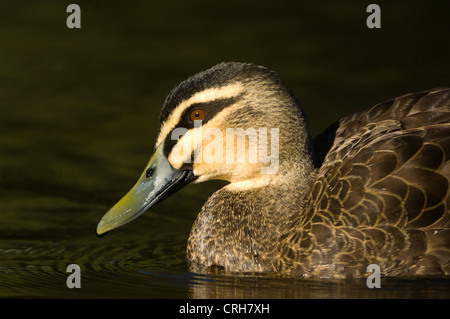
(373, 188)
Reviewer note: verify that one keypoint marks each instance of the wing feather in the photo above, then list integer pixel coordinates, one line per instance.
(384, 182)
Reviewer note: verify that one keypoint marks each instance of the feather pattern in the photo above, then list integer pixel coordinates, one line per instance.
(380, 196)
(373, 188)
(382, 192)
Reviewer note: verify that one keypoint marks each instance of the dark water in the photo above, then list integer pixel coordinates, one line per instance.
(78, 119)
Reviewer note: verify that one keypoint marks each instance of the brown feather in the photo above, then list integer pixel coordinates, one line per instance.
(381, 195)
(394, 162)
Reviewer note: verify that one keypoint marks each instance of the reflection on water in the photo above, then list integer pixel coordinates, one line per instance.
(293, 288)
(78, 118)
(132, 271)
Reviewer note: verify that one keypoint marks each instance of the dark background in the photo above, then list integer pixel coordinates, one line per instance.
(79, 111)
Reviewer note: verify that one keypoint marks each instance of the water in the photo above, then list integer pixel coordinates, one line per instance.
(78, 119)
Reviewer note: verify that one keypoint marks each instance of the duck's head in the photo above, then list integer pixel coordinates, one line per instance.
(236, 122)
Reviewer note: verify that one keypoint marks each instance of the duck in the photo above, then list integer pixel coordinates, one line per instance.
(371, 189)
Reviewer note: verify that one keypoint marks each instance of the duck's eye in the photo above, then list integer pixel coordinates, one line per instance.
(198, 115)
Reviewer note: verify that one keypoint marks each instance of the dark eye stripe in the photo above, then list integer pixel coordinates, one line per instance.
(211, 108)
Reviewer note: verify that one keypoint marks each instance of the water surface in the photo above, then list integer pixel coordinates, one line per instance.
(78, 119)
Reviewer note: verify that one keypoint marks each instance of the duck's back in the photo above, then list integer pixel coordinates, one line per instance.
(382, 190)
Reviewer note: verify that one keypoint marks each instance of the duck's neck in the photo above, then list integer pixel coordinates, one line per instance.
(242, 226)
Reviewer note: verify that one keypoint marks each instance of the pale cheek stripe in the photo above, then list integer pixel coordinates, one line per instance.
(184, 147)
(207, 95)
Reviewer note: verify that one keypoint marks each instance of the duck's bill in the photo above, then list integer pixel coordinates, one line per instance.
(158, 180)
